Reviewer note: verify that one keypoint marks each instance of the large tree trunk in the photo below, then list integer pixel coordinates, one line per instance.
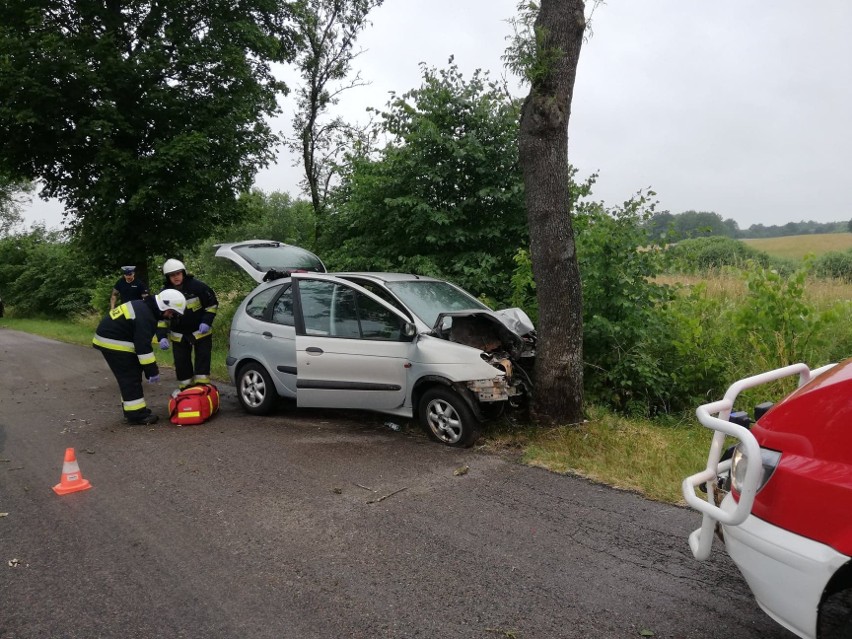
(544, 158)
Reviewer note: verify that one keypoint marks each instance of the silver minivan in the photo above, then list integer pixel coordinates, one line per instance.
(400, 344)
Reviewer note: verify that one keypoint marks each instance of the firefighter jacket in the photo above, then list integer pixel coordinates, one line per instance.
(130, 328)
(201, 307)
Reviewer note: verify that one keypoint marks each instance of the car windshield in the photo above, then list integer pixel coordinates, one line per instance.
(427, 299)
(280, 257)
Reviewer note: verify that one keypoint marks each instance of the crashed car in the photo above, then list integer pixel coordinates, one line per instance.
(781, 498)
(399, 344)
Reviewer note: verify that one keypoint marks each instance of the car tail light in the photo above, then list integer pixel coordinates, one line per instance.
(768, 458)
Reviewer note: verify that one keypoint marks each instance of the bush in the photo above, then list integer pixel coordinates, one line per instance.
(834, 265)
(704, 254)
(624, 327)
(43, 275)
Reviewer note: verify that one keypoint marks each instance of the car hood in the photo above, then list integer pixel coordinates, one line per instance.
(791, 425)
(489, 331)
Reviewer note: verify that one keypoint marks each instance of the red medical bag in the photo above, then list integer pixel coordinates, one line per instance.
(194, 404)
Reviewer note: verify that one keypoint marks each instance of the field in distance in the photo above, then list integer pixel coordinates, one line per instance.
(797, 246)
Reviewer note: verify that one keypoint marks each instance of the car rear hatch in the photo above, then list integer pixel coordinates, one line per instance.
(266, 259)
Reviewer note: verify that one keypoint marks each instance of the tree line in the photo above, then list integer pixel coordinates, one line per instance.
(692, 224)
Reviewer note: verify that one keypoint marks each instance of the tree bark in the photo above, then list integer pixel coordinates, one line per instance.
(543, 144)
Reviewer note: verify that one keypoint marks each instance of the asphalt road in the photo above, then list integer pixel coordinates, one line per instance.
(319, 525)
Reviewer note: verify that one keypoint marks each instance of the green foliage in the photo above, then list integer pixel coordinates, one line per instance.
(624, 328)
(40, 275)
(523, 285)
(696, 352)
(704, 254)
(834, 264)
(527, 55)
(519, 56)
(793, 228)
(444, 197)
(101, 292)
(272, 216)
(145, 119)
(689, 224)
(776, 322)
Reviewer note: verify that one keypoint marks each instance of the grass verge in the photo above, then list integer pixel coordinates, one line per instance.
(647, 457)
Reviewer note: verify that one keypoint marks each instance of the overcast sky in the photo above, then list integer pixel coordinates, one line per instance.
(739, 107)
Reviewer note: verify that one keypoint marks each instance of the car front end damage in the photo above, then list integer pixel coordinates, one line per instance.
(511, 353)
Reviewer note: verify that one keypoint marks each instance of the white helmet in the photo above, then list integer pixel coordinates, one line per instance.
(170, 299)
(173, 266)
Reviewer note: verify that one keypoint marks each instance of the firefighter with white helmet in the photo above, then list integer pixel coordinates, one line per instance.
(124, 338)
(193, 330)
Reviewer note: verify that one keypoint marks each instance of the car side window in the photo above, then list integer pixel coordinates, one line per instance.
(339, 311)
(256, 306)
(315, 298)
(282, 309)
(377, 322)
(380, 291)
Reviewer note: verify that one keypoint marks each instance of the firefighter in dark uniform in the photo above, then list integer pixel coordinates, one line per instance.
(128, 287)
(124, 337)
(192, 331)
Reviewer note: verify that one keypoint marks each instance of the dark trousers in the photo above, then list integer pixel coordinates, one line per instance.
(128, 373)
(187, 373)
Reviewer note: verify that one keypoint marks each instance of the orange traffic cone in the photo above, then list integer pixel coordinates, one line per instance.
(72, 480)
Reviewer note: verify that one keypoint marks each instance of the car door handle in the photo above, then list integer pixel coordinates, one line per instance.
(313, 350)
(267, 334)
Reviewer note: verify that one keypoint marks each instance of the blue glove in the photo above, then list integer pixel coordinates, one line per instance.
(164, 343)
(203, 328)
(153, 379)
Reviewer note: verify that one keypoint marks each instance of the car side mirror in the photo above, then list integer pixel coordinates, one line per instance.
(409, 330)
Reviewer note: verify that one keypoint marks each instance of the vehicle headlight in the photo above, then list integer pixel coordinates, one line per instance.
(739, 462)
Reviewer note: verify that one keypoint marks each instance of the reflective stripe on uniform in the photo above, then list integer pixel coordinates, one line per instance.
(147, 358)
(201, 379)
(212, 309)
(175, 336)
(113, 344)
(134, 404)
(198, 335)
(125, 310)
(193, 303)
(183, 383)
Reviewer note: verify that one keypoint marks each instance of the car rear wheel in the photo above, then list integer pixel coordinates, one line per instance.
(446, 418)
(255, 389)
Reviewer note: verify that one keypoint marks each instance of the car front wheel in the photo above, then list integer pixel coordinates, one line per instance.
(446, 418)
(255, 389)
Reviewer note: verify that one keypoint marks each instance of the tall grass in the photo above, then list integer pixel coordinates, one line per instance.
(823, 293)
(798, 246)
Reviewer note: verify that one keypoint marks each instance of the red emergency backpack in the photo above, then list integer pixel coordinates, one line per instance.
(194, 405)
